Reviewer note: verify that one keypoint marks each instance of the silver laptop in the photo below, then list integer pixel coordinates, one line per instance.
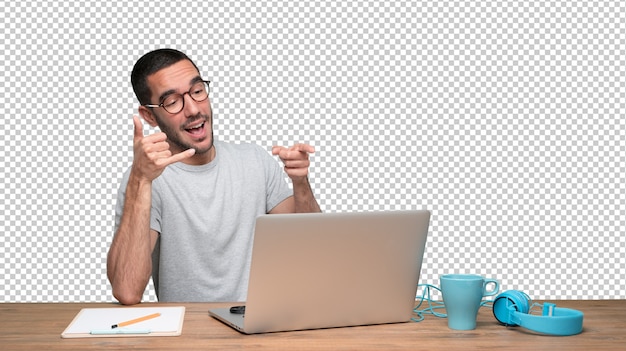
(325, 270)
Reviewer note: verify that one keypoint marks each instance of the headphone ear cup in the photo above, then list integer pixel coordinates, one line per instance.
(509, 302)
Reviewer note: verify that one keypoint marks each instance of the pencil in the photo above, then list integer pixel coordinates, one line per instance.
(136, 320)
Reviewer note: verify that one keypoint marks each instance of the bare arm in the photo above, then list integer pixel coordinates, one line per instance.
(296, 161)
(129, 261)
(303, 197)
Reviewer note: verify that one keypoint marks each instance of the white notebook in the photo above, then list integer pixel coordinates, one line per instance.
(98, 322)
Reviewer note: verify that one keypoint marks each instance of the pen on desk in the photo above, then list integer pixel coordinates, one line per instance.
(119, 331)
(136, 320)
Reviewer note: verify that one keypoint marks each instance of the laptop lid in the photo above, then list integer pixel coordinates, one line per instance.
(324, 270)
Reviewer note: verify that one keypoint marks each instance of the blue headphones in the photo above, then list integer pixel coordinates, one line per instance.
(512, 307)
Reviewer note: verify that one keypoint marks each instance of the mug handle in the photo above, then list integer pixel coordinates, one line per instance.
(496, 287)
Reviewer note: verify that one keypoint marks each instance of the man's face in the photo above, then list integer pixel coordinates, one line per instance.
(192, 127)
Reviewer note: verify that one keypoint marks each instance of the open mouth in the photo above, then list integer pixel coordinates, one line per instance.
(196, 129)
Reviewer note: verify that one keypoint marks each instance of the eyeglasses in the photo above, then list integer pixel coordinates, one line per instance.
(175, 103)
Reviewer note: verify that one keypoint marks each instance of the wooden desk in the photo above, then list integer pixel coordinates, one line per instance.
(38, 326)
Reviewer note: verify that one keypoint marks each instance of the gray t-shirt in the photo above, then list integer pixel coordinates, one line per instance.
(205, 216)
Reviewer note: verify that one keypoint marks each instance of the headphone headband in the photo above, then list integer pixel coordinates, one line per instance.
(511, 309)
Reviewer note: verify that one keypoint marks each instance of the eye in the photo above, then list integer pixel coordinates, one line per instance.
(198, 90)
(171, 100)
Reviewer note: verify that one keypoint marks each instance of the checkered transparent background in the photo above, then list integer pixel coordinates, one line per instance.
(506, 119)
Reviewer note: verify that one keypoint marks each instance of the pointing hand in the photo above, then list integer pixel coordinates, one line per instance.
(295, 159)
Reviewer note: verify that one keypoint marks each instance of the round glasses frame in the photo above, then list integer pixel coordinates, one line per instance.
(177, 101)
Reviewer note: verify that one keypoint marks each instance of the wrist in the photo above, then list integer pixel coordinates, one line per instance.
(138, 184)
(138, 177)
(300, 180)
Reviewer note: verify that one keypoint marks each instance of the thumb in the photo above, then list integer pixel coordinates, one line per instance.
(277, 149)
(138, 131)
(181, 156)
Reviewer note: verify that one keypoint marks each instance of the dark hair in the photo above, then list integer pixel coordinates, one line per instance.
(150, 63)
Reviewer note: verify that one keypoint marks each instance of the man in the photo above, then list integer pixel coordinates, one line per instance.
(187, 205)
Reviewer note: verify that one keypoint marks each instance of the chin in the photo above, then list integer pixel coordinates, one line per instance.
(203, 150)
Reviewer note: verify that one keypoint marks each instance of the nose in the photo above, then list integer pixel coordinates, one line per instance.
(190, 107)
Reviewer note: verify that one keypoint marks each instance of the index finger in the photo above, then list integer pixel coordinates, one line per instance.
(303, 148)
(306, 148)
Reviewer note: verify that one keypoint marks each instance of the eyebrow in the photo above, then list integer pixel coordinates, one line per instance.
(165, 94)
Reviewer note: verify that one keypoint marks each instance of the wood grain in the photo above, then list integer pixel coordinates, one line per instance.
(38, 326)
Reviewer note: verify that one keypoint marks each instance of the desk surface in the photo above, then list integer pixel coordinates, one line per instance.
(38, 326)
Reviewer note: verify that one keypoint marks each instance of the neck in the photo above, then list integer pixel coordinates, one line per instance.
(202, 158)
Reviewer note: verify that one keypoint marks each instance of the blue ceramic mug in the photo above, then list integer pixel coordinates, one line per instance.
(462, 295)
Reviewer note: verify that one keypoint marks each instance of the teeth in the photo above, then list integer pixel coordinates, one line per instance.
(196, 126)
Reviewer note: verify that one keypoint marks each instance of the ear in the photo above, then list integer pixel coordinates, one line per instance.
(147, 114)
